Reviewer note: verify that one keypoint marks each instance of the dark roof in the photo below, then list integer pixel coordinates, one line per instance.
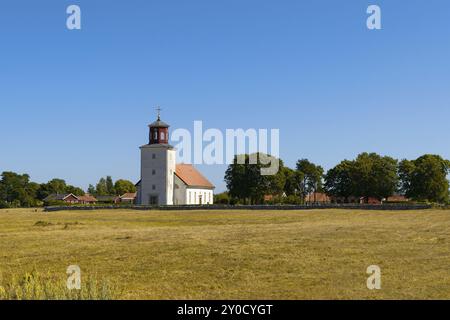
(59, 197)
(159, 124)
(105, 198)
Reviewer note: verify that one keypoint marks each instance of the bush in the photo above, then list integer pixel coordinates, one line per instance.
(18, 204)
(36, 286)
(55, 203)
(236, 202)
(222, 198)
(4, 205)
(293, 200)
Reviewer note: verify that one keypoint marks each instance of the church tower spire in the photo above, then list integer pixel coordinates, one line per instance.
(158, 165)
(159, 131)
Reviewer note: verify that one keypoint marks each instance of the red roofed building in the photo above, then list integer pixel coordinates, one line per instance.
(67, 198)
(191, 187)
(127, 198)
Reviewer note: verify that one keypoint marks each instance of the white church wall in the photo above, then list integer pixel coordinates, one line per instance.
(170, 174)
(179, 192)
(157, 161)
(193, 196)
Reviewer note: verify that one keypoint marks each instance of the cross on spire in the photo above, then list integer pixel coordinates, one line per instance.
(159, 112)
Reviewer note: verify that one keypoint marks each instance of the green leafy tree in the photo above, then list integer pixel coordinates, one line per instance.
(369, 175)
(91, 190)
(277, 182)
(291, 181)
(375, 176)
(222, 198)
(17, 191)
(339, 182)
(124, 186)
(310, 177)
(57, 186)
(75, 190)
(101, 188)
(110, 186)
(425, 178)
(54, 186)
(246, 183)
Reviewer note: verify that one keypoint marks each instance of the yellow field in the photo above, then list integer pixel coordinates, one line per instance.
(320, 254)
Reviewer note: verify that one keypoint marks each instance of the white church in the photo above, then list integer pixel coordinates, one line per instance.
(163, 182)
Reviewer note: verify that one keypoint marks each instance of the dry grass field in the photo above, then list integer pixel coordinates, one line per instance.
(320, 254)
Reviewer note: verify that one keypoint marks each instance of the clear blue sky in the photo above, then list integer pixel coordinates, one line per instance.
(76, 104)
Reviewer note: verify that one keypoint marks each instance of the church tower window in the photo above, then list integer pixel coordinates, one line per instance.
(159, 131)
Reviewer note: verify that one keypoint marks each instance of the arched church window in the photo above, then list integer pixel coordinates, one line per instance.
(162, 135)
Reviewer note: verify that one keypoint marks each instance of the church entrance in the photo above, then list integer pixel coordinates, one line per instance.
(153, 201)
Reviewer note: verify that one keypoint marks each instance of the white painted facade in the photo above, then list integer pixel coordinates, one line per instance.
(157, 175)
(179, 192)
(199, 196)
(185, 195)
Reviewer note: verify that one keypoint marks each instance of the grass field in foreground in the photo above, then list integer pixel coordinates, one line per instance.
(319, 254)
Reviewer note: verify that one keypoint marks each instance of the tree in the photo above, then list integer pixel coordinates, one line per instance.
(243, 180)
(222, 198)
(311, 177)
(101, 188)
(405, 172)
(75, 190)
(339, 182)
(374, 176)
(110, 186)
(277, 182)
(291, 181)
(124, 186)
(91, 189)
(17, 190)
(54, 186)
(425, 178)
(369, 175)
(246, 183)
(57, 186)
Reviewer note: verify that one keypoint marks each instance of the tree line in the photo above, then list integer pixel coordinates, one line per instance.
(369, 175)
(17, 190)
(106, 187)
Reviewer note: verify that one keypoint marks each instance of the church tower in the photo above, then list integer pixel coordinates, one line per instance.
(158, 166)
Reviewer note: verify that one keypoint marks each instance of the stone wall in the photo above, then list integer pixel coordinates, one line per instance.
(253, 207)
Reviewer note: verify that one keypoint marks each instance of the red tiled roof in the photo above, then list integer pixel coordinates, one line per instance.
(191, 176)
(128, 196)
(87, 198)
